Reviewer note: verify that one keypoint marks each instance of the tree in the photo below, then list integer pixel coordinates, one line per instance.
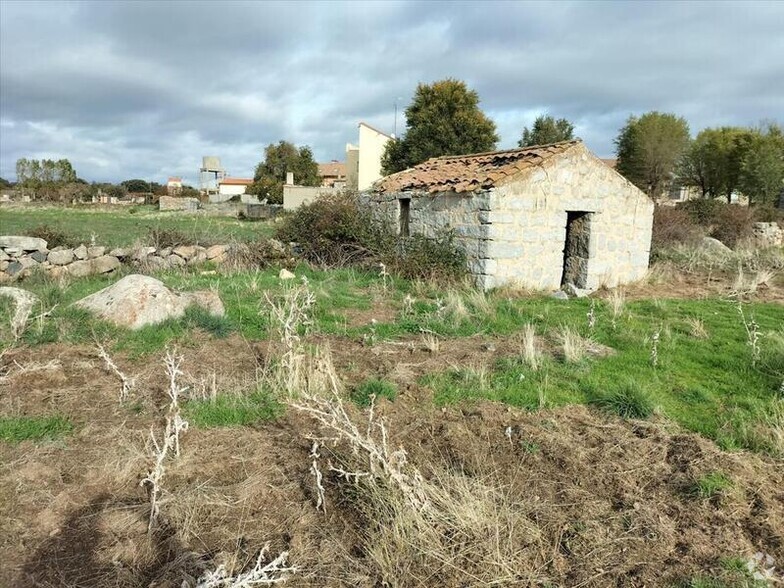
(762, 166)
(712, 162)
(547, 130)
(5, 183)
(278, 160)
(44, 177)
(650, 149)
(137, 185)
(443, 119)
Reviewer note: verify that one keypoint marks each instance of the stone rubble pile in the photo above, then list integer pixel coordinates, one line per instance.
(768, 235)
(20, 256)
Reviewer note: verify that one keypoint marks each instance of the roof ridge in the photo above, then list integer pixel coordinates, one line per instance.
(502, 151)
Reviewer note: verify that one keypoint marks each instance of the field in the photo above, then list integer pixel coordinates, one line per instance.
(121, 227)
(383, 431)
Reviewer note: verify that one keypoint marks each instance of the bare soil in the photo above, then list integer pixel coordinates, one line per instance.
(610, 500)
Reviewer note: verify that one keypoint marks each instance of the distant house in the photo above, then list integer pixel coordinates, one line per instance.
(332, 174)
(363, 161)
(539, 217)
(174, 186)
(228, 188)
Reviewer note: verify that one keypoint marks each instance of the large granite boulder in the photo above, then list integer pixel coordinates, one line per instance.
(137, 301)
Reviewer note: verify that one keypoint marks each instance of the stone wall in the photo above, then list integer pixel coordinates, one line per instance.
(21, 256)
(176, 203)
(515, 234)
(768, 235)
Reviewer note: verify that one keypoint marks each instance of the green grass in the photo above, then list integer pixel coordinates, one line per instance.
(630, 400)
(362, 394)
(18, 429)
(711, 485)
(121, 227)
(232, 410)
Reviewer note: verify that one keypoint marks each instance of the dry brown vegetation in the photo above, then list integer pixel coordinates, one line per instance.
(563, 496)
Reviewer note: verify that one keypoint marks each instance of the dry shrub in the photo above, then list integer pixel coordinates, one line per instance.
(54, 237)
(671, 226)
(336, 231)
(448, 526)
(733, 225)
(161, 238)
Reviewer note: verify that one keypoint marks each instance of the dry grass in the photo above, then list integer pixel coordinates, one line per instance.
(697, 328)
(573, 346)
(430, 342)
(617, 302)
(530, 348)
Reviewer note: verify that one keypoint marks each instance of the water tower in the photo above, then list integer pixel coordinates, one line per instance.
(210, 174)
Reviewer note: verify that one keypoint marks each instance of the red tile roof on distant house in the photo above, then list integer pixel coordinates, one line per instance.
(471, 173)
(333, 169)
(173, 179)
(236, 181)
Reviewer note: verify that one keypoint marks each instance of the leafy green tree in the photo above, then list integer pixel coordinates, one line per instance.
(444, 118)
(650, 149)
(547, 129)
(278, 160)
(44, 177)
(762, 166)
(137, 185)
(5, 183)
(712, 161)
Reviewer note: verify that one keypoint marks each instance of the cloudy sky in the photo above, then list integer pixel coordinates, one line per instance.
(144, 89)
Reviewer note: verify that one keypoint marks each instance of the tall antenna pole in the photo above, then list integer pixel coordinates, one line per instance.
(394, 133)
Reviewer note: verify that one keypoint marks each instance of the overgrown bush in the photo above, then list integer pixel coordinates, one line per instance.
(162, 238)
(336, 231)
(53, 237)
(733, 224)
(673, 226)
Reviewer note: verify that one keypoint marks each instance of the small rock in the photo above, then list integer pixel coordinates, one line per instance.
(165, 252)
(61, 257)
(24, 302)
(175, 260)
(573, 290)
(14, 268)
(4, 256)
(14, 251)
(119, 253)
(488, 347)
(277, 246)
(142, 253)
(27, 262)
(185, 251)
(217, 252)
(560, 295)
(23, 243)
(198, 257)
(93, 252)
(156, 262)
(4, 264)
(286, 274)
(105, 264)
(39, 256)
(715, 246)
(80, 252)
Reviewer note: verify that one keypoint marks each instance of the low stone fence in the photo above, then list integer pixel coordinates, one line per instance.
(20, 256)
(768, 235)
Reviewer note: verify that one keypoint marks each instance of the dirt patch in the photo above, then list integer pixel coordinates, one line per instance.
(609, 502)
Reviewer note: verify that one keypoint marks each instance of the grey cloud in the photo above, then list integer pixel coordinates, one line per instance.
(139, 89)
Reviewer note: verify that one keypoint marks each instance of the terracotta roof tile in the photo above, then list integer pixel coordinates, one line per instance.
(470, 173)
(332, 169)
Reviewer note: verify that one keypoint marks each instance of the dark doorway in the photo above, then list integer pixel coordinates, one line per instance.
(405, 211)
(578, 237)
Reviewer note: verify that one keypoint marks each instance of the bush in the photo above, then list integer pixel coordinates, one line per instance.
(335, 231)
(53, 237)
(161, 238)
(703, 211)
(627, 401)
(733, 224)
(673, 226)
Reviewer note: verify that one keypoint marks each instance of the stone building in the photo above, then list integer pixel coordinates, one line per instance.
(539, 217)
